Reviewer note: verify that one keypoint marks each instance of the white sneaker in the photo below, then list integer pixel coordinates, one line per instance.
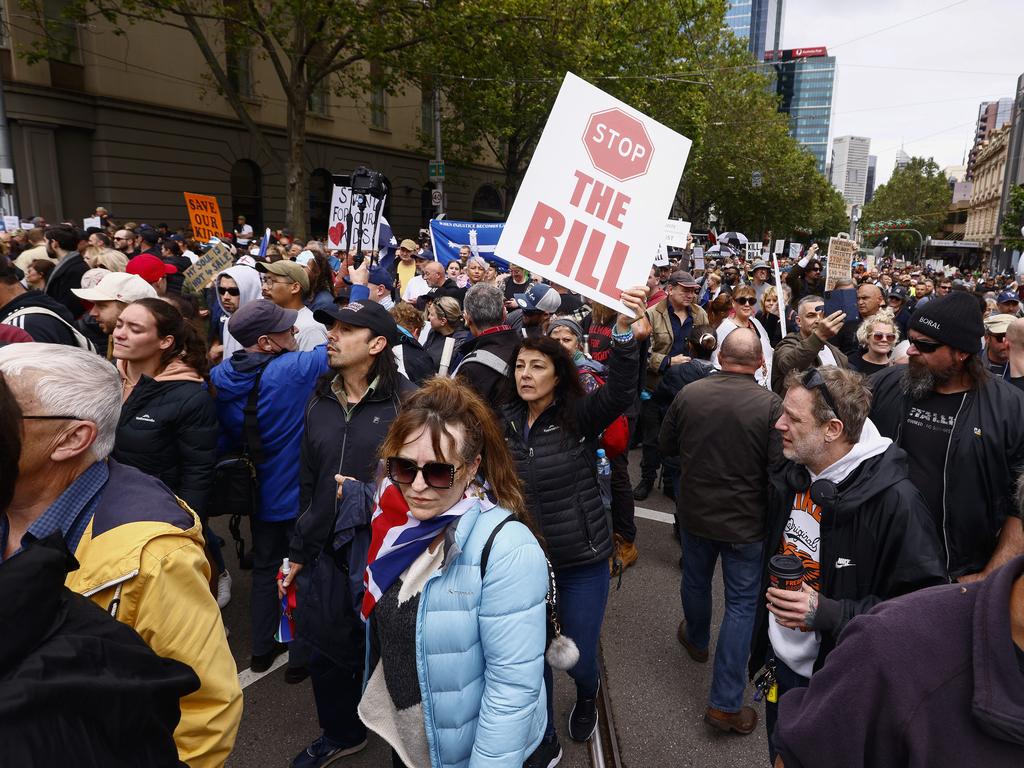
(223, 589)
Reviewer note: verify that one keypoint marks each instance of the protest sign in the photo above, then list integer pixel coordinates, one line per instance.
(447, 236)
(210, 264)
(12, 223)
(870, 262)
(676, 231)
(92, 221)
(350, 214)
(794, 250)
(753, 251)
(779, 294)
(698, 258)
(204, 215)
(841, 251)
(779, 245)
(593, 204)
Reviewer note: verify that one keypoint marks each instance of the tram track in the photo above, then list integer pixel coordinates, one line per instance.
(604, 744)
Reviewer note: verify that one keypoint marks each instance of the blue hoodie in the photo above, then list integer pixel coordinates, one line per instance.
(285, 388)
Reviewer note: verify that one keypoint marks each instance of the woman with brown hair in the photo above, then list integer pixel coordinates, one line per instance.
(719, 308)
(744, 306)
(456, 587)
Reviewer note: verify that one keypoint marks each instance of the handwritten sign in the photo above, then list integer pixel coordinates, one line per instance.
(210, 264)
(676, 231)
(794, 250)
(698, 258)
(841, 251)
(204, 215)
(593, 204)
(779, 245)
(92, 221)
(349, 215)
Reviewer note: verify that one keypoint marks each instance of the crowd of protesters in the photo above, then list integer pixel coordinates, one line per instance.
(434, 462)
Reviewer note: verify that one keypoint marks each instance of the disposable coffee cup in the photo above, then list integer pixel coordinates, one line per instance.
(786, 572)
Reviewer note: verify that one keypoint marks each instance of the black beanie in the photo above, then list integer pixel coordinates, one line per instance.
(954, 319)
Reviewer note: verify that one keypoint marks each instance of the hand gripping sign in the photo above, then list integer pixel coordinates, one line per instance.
(592, 208)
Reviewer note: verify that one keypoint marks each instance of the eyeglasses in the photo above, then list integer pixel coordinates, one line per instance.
(927, 347)
(884, 337)
(222, 290)
(436, 474)
(270, 281)
(747, 300)
(812, 380)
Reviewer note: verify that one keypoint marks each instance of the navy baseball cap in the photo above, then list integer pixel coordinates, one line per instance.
(1006, 296)
(539, 298)
(381, 276)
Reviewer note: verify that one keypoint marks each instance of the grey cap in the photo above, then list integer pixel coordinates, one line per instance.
(258, 318)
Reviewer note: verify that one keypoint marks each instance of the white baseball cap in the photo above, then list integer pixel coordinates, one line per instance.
(117, 286)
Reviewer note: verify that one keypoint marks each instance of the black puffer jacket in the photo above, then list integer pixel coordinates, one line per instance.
(168, 429)
(559, 470)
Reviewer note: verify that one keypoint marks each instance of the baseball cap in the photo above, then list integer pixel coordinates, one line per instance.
(258, 318)
(362, 314)
(117, 286)
(1007, 296)
(294, 272)
(539, 298)
(380, 276)
(682, 278)
(150, 236)
(409, 245)
(899, 292)
(149, 267)
(304, 258)
(998, 323)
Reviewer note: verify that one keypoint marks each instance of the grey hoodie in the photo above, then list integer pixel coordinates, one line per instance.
(250, 287)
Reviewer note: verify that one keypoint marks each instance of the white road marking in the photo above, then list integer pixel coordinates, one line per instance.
(247, 677)
(652, 514)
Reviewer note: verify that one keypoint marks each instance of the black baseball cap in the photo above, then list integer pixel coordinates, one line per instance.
(362, 314)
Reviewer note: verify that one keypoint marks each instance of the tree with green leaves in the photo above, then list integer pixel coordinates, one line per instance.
(918, 192)
(1013, 239)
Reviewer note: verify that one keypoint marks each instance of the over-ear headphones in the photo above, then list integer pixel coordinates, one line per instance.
(824, 493)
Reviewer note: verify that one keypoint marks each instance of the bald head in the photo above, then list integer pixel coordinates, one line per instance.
(741, 352)
(433, 273)
(1015, 334)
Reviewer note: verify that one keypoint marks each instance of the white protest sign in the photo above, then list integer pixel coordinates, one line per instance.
(870, 262)
(794, 250)
(779, 245)
(698, 258)
(676, 231)
(753, 251)
(841, 251)
(348, 215)
(780, 296)
(11, 223)
(593, 204)
(92, 221)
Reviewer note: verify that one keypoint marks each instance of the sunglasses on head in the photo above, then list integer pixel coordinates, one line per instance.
(812, 380)
(436, 474)
(878, 336)
(229, 291)
(747, 300)
(926, 346)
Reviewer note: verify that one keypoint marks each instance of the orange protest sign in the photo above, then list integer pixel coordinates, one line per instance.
(204, 215)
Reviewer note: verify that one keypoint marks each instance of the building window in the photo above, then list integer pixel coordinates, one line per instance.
(320, 188)
(427, 108)
(378, 98)
(319, 99)
(487, 204)
(247, 194)
(61, 33)
(239, 70)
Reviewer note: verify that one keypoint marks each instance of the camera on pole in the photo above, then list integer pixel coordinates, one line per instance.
(364, 183)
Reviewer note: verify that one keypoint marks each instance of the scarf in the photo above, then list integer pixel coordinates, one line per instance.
(397, 538)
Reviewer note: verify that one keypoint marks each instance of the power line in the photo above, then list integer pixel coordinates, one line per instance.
(901, 23)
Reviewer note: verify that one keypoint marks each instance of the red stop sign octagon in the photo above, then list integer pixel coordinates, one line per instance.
(618, 144)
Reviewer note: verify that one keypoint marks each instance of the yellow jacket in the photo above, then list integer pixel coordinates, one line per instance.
(142, 560)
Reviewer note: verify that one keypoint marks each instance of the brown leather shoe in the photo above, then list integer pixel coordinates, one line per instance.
(626, 551)
(695, 653)
(742, 722)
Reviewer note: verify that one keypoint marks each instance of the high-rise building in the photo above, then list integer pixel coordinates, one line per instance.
(869, 188)
(902, 159)
(757, 21)
(850, 167)
(992, 115)
(804, 79)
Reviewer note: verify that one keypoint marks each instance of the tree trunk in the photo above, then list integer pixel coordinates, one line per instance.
(296, 188)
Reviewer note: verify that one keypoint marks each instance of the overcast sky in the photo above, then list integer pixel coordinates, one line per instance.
(918, 84)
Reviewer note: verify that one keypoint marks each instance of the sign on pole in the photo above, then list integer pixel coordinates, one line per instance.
(435, 170)
(841, 251)
(676, 231)
(593, 204)
(204, 215)
(752, 251)
(12, 223)
(780, 296)
(348, 215)
(698, 258)
(779, 245)
(794, 250)
(210, 264)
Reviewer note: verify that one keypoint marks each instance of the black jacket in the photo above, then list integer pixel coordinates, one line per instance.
(78, 688)
(559, 468)
(801, 286)
(41, 327)
(336, 444)
(488, 383)
(65, 276)
(984, 460)
(879, 522)
(448, 288)
(169, 429)
(434, 345)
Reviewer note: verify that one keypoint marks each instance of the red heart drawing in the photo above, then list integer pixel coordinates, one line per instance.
(335, 233)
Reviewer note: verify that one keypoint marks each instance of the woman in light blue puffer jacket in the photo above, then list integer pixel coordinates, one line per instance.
(456, 644)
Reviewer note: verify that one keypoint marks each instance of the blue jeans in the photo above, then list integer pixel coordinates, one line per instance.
(741, 571)
(582, 596)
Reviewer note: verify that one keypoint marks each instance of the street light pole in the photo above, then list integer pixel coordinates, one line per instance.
(437, 149)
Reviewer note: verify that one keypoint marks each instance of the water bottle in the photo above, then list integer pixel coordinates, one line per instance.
(604, 478)
(286, 625)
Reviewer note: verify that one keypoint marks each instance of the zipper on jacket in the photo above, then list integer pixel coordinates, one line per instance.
(945, 479)
(112, 582)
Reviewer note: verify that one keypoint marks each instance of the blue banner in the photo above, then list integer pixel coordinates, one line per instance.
(448, 236)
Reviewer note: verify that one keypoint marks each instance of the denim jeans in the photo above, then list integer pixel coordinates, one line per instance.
(787, 680)
(741, 572)
(337, 693)
(270, 542)
(582, 596)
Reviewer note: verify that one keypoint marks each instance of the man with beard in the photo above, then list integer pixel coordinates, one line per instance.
(963, 432)
(805, 277)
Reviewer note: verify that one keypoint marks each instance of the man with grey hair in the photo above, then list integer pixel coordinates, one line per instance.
(140, 549)
(722, 429)
(843, 508)
(487, 356)
(810, 343)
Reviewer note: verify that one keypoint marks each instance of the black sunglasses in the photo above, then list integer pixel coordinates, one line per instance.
(229, 291)
(812, 380)
(926, 346)
(748, 300)
(436, 474)
(1000, 337)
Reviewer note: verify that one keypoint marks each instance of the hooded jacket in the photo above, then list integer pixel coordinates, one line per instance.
(250, 288)
(142, 560)
(288, 380)
(41, 327)
(78, 688)
(924, 680)
(168, 429)
(983, 461)
(877, 527)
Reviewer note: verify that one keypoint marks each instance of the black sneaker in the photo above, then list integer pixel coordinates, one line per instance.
(547, 755)
(264, 661)
(295, 675)
(642, 489)
(583, 718)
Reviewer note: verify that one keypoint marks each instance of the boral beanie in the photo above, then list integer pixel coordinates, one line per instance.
(954, 319)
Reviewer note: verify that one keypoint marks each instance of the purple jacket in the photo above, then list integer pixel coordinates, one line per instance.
(927, 679)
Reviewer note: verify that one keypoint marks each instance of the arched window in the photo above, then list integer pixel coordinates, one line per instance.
(487, 205)
(320, 189)
(246, 194)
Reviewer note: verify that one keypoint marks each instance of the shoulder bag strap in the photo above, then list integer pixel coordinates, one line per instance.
(486, 554)
(252, 442)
